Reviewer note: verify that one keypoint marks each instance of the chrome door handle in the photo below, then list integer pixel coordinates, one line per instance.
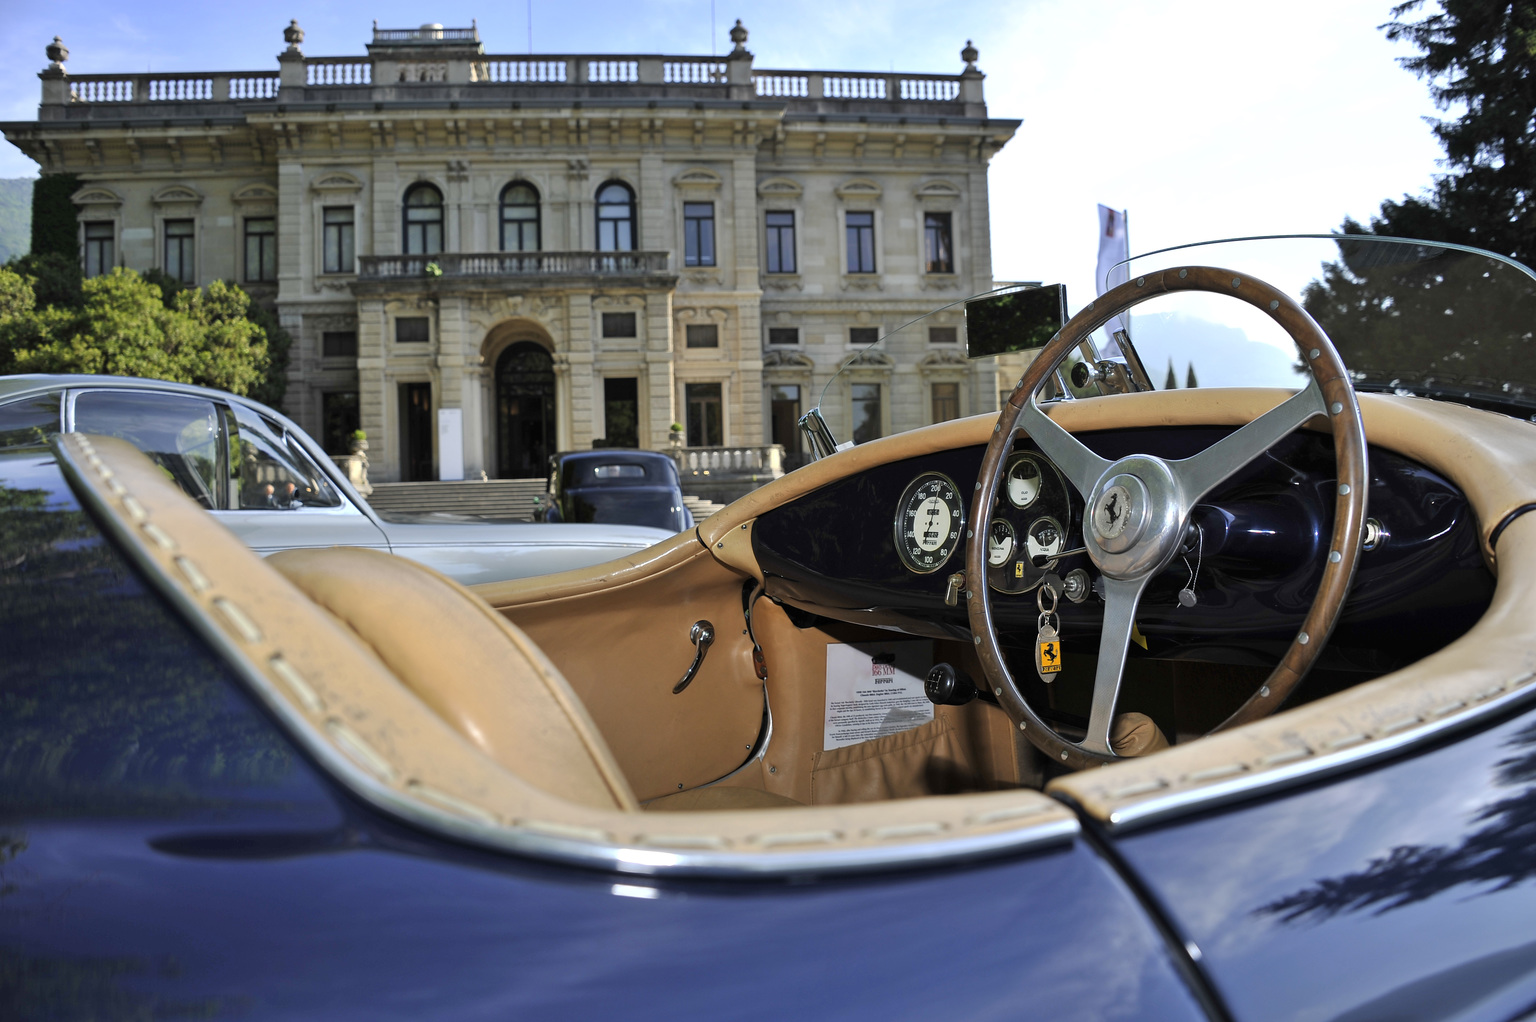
(702, 635)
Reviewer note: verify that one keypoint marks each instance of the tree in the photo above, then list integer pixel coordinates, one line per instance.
(122, 326)
(1478, 56)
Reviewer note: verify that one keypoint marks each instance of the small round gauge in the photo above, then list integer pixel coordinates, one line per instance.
(1023, 481)
(930, 519)
(1000, 543)
(1045, 541)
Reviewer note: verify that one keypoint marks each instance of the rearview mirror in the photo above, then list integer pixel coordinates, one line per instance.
(1023, 320)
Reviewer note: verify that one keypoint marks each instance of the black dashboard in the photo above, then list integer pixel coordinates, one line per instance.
(880, 547)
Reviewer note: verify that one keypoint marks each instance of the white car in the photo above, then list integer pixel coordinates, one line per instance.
(272, 485)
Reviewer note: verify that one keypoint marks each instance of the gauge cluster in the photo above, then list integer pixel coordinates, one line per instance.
(1031, 518)
(1026, 536)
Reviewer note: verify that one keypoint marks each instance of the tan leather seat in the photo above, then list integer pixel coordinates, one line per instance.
(482, 675)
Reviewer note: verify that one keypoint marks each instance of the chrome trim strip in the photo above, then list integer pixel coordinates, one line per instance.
(530, 838)
(1159, 809)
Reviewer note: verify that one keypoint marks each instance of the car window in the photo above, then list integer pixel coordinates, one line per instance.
(601, 472)
(272, 471)
(28, 421)
(180, 433)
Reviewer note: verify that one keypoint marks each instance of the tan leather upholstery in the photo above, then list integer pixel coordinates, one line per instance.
(719, 797)
(337, 698)
(467, 662)
(1136, 734)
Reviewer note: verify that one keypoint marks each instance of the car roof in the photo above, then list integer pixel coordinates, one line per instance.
(618, 454)
(11, 386)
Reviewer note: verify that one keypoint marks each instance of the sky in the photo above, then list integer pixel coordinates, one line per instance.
(1201, 119)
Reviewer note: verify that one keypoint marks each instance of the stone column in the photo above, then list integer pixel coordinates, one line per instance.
(659, 380)
(372, 396)
(576, 427)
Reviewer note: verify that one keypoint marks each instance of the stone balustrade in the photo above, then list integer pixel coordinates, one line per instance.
(474, 72)
(510, 264)
(724, 474)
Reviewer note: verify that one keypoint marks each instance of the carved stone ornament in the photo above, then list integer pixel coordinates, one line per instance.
(944, 360)
(58, 53)
(739, 38)
(969, 55)
(293, 35)
(869, 359)
(787, 360)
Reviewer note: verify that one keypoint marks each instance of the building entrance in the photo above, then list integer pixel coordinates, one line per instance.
(525, 411)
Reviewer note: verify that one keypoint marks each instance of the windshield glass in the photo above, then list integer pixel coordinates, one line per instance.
(1408, 317)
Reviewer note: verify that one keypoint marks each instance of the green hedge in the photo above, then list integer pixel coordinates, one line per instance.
(54, 216)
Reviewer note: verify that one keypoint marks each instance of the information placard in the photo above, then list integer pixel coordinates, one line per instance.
(874, 690)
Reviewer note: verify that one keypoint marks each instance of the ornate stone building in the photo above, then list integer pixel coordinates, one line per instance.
(483, 259)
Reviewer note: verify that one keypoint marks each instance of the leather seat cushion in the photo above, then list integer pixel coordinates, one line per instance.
(474, 668)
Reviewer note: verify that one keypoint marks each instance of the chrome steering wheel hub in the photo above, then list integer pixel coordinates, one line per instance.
(1134, 518)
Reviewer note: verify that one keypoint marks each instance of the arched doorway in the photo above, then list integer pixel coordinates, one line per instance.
(525, 411)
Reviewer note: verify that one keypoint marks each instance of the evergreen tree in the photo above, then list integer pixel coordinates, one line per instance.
(1479, 57)
(1172, 382)
(1189, 380)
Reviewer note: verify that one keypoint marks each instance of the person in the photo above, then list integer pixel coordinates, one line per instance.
(290, 496)
(268, 497)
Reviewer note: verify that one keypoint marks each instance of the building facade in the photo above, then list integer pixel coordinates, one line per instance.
(483, 259)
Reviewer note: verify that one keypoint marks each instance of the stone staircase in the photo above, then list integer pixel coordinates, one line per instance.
(700, 508)
(501, 498)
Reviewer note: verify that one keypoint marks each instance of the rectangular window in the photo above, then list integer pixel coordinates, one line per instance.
(866, 412)
(705, 428)
(946, 401)
(179, 262)
(338, 242)
(413, 330)
(784, 415)
(863, 336)
(702, 335)
(943, 335)
(340, 418)
(861, 242)
(698, 234)
(260, 250)
(338, 344)
(780, 228)
(938, 246)
(99, 257)
(618, 324)
(621, 411)
(783, 335)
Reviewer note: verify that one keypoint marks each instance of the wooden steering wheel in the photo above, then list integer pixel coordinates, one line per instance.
(1138, 508)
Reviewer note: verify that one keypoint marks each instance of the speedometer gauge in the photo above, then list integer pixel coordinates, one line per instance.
(930, 519)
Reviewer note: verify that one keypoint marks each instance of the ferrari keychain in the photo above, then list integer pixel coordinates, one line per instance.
(1047, 645)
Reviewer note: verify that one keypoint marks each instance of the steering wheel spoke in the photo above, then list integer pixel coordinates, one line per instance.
(1080, 465)
(1202, 473)
(1121, 598)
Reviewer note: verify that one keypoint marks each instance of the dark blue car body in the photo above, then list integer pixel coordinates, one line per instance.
(613, 486)
(167, 851)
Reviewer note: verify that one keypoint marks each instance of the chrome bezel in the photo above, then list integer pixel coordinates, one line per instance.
(1013, 542)
(899, 536)
(1051, 564)
(1042, 465)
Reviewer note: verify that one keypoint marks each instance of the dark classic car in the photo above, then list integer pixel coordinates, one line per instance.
(1126, 702)
(273, 486)
(615, 486)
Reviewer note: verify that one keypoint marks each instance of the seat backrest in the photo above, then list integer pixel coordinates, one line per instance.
(476, 670)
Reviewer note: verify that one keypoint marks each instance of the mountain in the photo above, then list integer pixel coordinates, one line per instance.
(15, 216)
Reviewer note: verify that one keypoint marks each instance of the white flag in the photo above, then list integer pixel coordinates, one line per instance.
(1114, 247)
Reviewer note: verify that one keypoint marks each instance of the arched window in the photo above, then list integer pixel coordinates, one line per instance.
(423, 220)
(615, 218)
(519, 218)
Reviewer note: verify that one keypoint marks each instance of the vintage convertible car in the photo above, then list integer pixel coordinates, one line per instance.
(982, 720)
(273, 486)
